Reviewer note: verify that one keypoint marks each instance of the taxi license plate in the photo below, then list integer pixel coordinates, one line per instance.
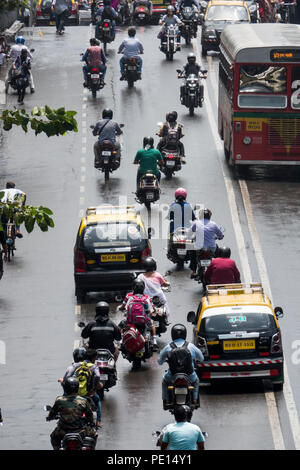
(112, 258)
(233, 345)
(103, 377)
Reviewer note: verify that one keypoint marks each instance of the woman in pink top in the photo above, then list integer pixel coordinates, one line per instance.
(154, 281)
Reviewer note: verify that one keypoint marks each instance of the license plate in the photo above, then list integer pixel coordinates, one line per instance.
(181, 251)
(205, 262)
(106, 153)
(95, 75)
(52, 23)
(103, 377)
(232, 345)
(181, 391)
(106, 29)
(105, 161)
(141, 15)
(131, 67)
(170, 163)
(112, 258)
(140, 353)
(149, 196)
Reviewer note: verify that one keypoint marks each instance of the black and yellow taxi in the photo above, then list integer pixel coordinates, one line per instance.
(237, 330)
(110, 249)
(219, 14)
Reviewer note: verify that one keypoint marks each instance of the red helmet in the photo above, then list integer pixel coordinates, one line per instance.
(180, 193)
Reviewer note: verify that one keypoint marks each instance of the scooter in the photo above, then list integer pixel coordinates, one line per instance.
(192, 92)
(107, 368)
(108, 160)
(148, 190)
(141, 13)
(179, 247)
(159, 317)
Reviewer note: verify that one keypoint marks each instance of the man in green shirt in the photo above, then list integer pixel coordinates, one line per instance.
(148, 158)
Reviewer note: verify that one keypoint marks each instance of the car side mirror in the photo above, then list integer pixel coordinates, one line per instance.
(81, 324)
(191, 317)
(278, 312)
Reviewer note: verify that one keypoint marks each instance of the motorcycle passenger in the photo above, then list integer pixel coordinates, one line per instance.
(107, 129)
(131, 47)
(154, 282)
(14, 53)
(178, 335)
(137, 295)
(75, 414)
(170, 20)
(182, 435)
(22, 66)
(167, 130)
(12, 194)
(181, 213)
(191, 67)
(148, 158)
(94, 58)
(205, 233)
(106, 12)
(222, 270)
(102, 332)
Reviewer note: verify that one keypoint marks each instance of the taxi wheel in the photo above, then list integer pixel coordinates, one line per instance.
(278, 387)
(80, 296)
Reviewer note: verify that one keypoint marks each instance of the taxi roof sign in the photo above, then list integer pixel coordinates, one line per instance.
(111, 210)
(234, 289)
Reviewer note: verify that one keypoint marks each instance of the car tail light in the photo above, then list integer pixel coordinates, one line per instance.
(181, 382)
(274, 372)
(276, 345)
(145, 253)
(214, 356)
(79, 261)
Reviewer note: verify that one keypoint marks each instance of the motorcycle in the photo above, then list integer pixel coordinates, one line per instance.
(148, 190)
(136, 345)
(189, 28)
(123, 12)
(10, 239)
(204, 257)
(107, 368)
(95, 81)
(159, 317)
(170, 153)
(74, 440)
(169, 42)
(108, 161)
(141, 13)
(105, 33)
(180, 392)
(179, 247)
(18, 82)
(131, 71)
(192, 92)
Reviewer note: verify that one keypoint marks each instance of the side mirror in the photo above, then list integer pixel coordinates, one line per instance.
(47, 408)
(278, 312)
(32, 50)
(121, 125)
(191, 317)
(92, 127)
(178, 70)
(81, 324)
(204, 71)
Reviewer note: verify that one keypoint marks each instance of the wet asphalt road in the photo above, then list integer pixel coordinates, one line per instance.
(37, 302)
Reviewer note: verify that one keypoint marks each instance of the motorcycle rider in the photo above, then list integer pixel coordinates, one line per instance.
(182, 435)
(94, 57)
(178, 335)
(181, 213)
(22, 66)
(154, 281)
(148, 158)
(138, 294)
(205, 233)
(75, 414)
(170, 126)
(106, 12)
(222, 270)
(191, 67)
(131, 47)
(170, 20)
(102, 332)
(12, 194)
(193, 4)
(14, 53)
(107, 129)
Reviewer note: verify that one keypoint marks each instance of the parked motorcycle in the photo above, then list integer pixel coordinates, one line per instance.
(192, 93)
(169, 42)
(105, 33)
(190, 19)
(180, 392)
(179, 247)
(148, 190)
(107, 368)
(108, 161)
(141, 14)
(131, 71)
(137, 345)
(159, 317)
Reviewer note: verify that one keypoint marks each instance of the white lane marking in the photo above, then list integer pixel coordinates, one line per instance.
(2, 93)
(269, 396)
(262, 268)
(83, 150)
(78, 309)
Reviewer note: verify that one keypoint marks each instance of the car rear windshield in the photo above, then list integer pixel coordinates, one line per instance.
(227, 323)
(227, 13)
(113, 235)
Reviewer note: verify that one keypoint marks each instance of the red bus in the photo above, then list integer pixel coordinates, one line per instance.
(259, 94)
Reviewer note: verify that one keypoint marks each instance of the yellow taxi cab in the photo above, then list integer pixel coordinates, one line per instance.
(237, 330)
(110, 249)
(219, 14)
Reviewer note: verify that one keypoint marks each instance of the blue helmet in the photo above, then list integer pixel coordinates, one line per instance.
(20, 40)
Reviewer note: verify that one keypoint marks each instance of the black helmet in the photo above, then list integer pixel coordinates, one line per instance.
(148, 141)
(107, 113)
(207, 214)
(71, 385)
(102, 309)
(191, 58)
(138, 286)
(131, 32)
(79, 354)
(224, 252)
(188, 412)
(178, 332)
(150, 264)
(171, 117)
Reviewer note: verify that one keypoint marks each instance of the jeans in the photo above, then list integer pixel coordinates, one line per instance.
(86, 68)
(123, 60)
(167, 380)
(97, 401)
(60, 20)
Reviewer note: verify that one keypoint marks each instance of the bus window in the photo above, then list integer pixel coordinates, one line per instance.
(262, 79)
(295, 98)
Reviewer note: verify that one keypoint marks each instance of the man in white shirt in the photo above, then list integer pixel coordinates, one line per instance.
(12, 194)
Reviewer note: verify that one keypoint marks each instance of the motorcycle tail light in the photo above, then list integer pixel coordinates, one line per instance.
(95, 70)
(105, 25)
(181, 382)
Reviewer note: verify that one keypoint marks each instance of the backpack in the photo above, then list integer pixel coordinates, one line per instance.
(180, 359)
(133, 340)
(136, 310)
(84, 375)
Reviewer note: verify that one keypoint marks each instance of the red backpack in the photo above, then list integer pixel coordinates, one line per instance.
(136, 310)
(133, 340)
